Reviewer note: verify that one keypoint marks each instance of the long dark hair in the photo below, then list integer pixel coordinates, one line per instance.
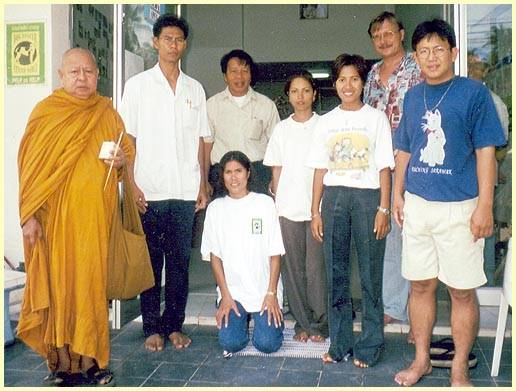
(234, 156)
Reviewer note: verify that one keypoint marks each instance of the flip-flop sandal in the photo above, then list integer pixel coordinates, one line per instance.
(444, 360)
(444, 345)
(95, 376)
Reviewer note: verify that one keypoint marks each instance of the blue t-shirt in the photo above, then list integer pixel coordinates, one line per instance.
(442, 140)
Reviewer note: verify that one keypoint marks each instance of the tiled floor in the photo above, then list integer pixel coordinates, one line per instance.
(202, 365)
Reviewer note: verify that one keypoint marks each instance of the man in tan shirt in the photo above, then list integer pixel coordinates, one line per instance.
(240, 119)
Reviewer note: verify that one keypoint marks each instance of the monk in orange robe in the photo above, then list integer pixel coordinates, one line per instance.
(66, 215)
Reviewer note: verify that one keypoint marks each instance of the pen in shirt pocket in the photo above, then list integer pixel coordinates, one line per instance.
(189, 103)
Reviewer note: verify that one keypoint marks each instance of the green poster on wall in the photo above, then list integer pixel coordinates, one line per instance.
(25, 53)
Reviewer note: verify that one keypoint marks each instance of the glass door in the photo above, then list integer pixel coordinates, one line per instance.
(133, 53)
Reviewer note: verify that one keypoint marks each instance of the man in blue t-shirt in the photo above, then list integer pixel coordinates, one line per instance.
(443, 195)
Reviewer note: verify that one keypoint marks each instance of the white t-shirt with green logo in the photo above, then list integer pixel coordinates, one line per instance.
(244, 233)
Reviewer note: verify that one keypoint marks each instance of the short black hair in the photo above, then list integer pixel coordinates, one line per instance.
(350, 59)
(169, 20)
(243, 56)
(300, 74)
(386, 15)
(234, 156)
(434, 27)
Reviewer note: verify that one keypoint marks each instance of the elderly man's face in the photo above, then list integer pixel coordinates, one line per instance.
(79, 74)
(387, 38)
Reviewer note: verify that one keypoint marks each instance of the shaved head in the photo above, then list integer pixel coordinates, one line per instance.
(79, 73)
(74, 52)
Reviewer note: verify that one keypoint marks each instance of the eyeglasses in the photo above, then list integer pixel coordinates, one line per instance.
(387, 35)
(172, 40)
(438, 51)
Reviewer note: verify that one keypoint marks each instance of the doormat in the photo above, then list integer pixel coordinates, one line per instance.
(289, 348)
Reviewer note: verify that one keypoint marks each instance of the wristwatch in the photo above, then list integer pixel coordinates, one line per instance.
(385, 211)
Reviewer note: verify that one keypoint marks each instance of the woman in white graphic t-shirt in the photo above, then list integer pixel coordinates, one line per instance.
(352, 156)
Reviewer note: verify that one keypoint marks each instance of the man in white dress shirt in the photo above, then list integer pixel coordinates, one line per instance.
(164, 111)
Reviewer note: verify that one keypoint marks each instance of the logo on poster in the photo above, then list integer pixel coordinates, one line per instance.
(25, 53)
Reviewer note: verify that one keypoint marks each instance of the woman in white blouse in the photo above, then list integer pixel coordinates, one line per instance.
(302, 268)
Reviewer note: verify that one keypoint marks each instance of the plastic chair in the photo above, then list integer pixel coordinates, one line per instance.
(505, 302)
(12, 280)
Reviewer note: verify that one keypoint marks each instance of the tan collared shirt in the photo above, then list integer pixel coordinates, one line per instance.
(247, 128)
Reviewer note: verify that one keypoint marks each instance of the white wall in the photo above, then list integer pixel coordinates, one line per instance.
(273, 33)
(19, 102)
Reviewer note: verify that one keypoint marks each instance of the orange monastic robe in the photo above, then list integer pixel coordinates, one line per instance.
(61, 184)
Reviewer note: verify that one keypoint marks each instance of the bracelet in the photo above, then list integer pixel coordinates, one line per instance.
(271, 293)
(385, 211)
(316, 215)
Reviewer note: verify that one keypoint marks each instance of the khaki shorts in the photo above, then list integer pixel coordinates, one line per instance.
(437, 242)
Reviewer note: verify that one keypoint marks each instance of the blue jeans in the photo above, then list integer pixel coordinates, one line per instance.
(266, 339)
(347, 210)
(168, 227)
(395, 287)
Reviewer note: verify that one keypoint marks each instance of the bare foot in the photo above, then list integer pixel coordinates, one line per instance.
(459, 376)
(327, 359)
(179, 340)
(388, 319)
(317, 338)
(359, 363)
(154, 343)
(411, 375)
(410, 337)
(301, 336)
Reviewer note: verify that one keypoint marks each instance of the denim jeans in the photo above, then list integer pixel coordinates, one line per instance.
(347, 210)
(395, 287)
(266, 339)
(168, 227)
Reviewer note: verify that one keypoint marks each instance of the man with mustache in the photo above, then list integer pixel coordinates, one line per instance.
(385, 88)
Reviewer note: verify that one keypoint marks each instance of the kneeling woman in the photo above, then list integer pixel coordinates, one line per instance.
(242, 239)
(352, 156)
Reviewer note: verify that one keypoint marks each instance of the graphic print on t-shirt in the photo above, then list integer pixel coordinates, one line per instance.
(257, 226)
(348, 151)
(433, 153)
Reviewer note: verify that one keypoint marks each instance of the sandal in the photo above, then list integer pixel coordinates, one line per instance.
(73, 380)
(444, 360)
(444, 345)
(100, 377)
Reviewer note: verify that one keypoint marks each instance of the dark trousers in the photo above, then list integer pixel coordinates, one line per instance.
(259, 181)
(347, 210)
(304, 276)
(168, 227)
